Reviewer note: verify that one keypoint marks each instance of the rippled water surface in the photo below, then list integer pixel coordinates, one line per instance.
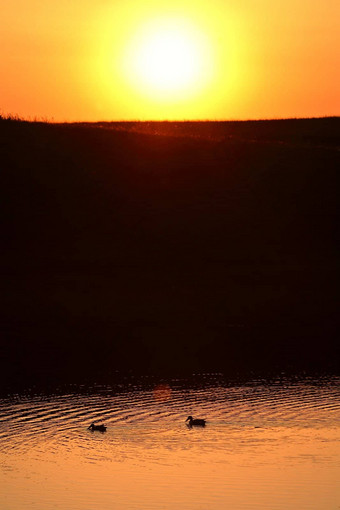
(265, 446)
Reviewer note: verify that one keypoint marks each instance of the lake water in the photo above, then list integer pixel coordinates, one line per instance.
(266, 446)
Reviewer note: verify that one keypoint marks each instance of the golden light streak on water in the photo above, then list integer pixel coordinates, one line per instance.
(265, 446)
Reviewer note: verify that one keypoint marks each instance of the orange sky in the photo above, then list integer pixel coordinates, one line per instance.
(86, 60)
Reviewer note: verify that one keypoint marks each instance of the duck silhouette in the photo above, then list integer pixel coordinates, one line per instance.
(197, 422)
(100, 428)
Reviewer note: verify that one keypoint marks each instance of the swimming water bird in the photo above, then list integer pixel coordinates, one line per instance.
(195, 422)
(100, 428)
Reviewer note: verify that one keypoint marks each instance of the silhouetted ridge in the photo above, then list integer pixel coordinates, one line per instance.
(168, 253)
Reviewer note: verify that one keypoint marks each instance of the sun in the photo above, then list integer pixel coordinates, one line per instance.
(168, 60)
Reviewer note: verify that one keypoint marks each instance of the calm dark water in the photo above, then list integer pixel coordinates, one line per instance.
(266, 446)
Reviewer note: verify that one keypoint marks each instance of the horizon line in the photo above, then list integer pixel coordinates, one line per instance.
(45, 120)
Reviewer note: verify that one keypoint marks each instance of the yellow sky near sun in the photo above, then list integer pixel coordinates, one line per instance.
(83, 60)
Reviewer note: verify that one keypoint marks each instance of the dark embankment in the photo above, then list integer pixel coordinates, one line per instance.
(160, 254)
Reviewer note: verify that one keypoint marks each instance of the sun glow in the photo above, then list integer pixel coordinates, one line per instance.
(178, 59)
(168, 60)
(170, 63)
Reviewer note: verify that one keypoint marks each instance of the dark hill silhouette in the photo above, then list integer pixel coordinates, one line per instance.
(213, 249)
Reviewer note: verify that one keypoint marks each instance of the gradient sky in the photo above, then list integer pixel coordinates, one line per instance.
(81, 60)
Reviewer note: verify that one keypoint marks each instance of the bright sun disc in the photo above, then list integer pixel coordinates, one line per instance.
(169, 60)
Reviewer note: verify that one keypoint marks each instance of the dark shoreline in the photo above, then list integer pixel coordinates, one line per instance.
(126, 382)
(210, 248)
